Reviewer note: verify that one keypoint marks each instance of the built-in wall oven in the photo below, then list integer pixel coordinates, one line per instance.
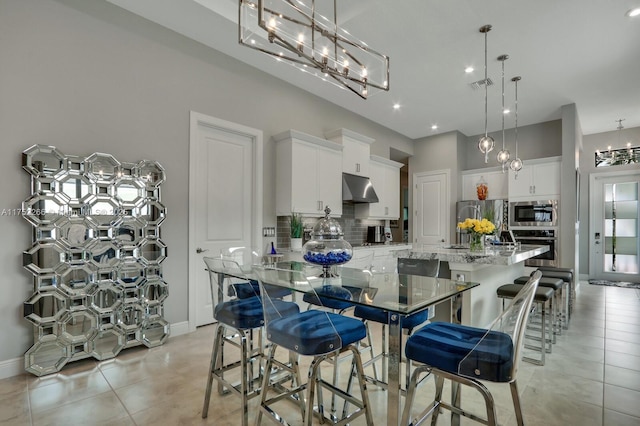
(540, 236)
(533, 213)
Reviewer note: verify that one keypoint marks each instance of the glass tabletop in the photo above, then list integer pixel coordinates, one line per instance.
(393, 292)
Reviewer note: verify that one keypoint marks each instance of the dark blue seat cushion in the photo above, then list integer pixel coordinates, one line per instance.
(379, 315)
(444, 345)
(244, 314)
(315, 332)
(252, 288)
(330, 296)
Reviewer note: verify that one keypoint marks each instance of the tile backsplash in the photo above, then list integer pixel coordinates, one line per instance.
(355, 230)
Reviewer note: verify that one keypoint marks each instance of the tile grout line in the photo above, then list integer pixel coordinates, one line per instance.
(117, 396)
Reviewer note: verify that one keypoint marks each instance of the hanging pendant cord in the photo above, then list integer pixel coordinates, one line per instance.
(503, 146)
(486, 84)
(516, 129)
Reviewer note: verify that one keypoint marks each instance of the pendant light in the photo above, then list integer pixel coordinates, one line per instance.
(486, 143)
(503, 156)
(516, 163)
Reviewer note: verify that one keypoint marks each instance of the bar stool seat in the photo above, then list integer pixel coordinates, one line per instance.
(567, 278)
(557, 309)
(542, 297)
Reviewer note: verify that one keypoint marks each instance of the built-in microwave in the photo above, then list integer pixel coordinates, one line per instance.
(533, 213)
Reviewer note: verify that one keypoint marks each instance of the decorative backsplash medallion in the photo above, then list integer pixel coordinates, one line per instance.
(96, 257)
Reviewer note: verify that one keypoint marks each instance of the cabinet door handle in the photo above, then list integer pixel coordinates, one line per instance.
(386, 211)
(358, 167)
(534, 189)
(320, 205)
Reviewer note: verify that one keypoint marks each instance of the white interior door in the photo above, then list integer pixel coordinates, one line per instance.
(431, 203)
(614, 226)
(225, 200)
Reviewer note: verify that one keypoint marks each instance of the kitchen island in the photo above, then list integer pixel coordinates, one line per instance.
(491, 267)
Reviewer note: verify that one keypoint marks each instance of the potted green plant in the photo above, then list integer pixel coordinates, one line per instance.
(295, 227)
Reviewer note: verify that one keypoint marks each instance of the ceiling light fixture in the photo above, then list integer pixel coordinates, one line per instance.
(486, 143)
(434, 127)
(516, 163)
(617, 157)
(503, 155)
(468, 70)
(396, 106)
(312, 43)
(633, 12)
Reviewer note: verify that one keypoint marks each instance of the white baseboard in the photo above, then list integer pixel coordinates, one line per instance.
(584, 278)
(11, 367)
(15, 367)
(179, 328)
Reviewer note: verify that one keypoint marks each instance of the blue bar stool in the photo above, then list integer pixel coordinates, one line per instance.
(467, 355)
(237, 319)
(316, 333)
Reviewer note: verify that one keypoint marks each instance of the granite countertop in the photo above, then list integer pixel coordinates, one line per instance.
(379, 245)
(489, 256)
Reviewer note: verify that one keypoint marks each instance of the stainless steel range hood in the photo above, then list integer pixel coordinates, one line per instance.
(358, 189)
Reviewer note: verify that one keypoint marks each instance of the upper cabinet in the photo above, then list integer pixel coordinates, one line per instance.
(355, 152)
(385, 178)
(496, 183)
(308, 175)
(538, 179)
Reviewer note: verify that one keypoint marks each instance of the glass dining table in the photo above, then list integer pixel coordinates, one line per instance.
(398, 294)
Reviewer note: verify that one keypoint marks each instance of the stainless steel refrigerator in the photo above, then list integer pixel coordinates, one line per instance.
(496, 211)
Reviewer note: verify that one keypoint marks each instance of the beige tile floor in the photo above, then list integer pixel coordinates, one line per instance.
(591, 378)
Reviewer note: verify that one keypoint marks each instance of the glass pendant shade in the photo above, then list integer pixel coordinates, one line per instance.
(485, 145)
(503, 158)
(516, 165)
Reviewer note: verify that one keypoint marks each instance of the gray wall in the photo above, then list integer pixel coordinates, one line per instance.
(439, 152)
(534, 141)
(87, 76)
(587, 166)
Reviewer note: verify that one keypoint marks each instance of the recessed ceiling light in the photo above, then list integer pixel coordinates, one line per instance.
(633, 12)
(434, 127)
(396, 106)
(468, 70)
(506, 111)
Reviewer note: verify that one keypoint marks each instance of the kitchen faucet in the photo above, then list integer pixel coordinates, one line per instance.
(476, 215)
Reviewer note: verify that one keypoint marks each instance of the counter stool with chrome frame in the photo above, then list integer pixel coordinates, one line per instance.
(468, 355)
(317, 333)
(541, 298)
(237, 318)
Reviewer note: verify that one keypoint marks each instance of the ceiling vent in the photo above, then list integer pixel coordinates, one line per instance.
(478, 84)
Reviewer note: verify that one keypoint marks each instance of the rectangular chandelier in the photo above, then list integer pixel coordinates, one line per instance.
(618, 157)
(293, 31)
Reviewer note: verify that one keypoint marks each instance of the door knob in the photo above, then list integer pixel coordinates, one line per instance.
(199, 250)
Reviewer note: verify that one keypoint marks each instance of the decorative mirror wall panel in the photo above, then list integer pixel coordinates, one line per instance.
(96, 257)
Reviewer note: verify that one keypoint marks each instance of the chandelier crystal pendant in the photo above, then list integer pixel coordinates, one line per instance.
(486, 142)
(516, 163)
(297, 33)
(503, 155)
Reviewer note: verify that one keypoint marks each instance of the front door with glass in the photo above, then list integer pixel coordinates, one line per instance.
(615, 225)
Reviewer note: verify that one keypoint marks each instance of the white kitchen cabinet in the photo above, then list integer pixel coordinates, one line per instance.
(355, 152)
(497, 183)
(538, 179)
(308, 175)
(385, 178)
